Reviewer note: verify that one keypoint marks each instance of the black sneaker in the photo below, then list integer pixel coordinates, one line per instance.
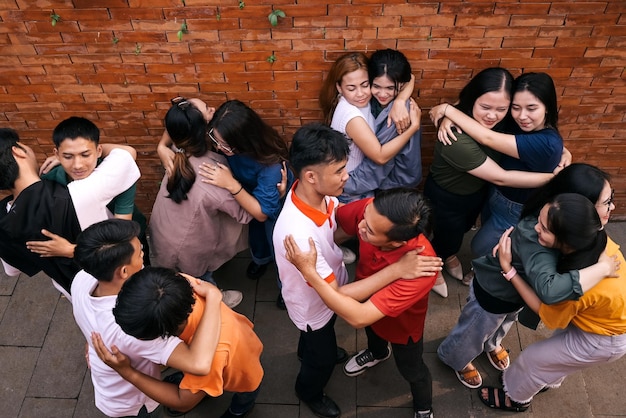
(255, 271)
(362, 361)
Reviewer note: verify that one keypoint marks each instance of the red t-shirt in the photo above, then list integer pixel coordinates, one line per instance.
(404, 302)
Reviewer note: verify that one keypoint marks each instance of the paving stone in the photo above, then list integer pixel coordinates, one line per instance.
(48, 407)
(18, 364)
(62, 358)
(28, 315)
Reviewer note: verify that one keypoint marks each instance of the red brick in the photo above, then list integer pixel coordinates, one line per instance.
(321, 22)
(533, 21)
(147, 13)
(511, 43)
(44, 27)
(592, 19)
(86, 4)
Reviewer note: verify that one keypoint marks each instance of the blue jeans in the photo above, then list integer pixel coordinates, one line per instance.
(260, 240)
(499, 214)
(242, 402)
(476, 331)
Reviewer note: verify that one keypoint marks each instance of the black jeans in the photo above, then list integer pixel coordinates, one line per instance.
(454, 215)
(408, 358)
(143, 413)
(318, 352)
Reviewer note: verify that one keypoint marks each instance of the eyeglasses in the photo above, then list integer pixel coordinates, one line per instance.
(610, 201)
(219, 144)
(182, 102)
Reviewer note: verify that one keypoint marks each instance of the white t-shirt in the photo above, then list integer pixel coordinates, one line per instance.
(344, 113)
(304, 305)
(115, 396)
(90, 196)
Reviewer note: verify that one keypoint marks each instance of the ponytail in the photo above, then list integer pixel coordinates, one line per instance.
(182, 178)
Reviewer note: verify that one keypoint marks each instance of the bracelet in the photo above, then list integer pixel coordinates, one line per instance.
(446, 108)
(511, 273)
(237, 192)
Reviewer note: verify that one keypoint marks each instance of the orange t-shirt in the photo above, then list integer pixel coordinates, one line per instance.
(236, 366)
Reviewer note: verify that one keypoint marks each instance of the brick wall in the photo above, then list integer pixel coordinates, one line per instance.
(118, 62)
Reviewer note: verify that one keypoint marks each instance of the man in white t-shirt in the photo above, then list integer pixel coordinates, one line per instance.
(109, 253)
(36, 204)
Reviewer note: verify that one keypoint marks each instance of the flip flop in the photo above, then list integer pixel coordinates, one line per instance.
(502, 398)
(502, 355)
(469, 374)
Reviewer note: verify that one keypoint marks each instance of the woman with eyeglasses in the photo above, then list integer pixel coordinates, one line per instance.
(195, 227)
(493, 304)
(256, 154)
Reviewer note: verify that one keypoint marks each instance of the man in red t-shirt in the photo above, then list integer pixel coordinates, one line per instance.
(388, 226)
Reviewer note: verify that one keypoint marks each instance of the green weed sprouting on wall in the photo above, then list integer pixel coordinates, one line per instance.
(54, 18)
(183, 30)
(274, 15)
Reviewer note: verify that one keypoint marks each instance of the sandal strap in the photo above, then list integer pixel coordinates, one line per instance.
(500, 355)
(469, 374)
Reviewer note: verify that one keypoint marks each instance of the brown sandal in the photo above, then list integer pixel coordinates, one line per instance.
(467, 374)
(501, 356)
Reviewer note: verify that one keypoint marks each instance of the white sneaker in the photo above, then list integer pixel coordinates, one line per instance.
(362, 361)
(349, 256)
(232, 298)
(427, 414)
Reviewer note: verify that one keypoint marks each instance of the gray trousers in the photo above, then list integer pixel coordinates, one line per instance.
(548, 362)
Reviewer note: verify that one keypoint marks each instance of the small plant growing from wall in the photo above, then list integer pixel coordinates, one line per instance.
(137, 48)
(271, 59)
(274, 15)
(218, 16)
(242, 4)
(183, 30)
(54, 18)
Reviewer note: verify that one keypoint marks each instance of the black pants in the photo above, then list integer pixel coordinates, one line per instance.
(318, 352)
(143, 413)
(408, 358)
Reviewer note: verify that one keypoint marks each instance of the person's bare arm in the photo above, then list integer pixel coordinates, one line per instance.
(166, 155)
(411, 266)
(490, 171)
(164, 393)
(56, 246)
(504, 143)
(219, 175)
(357, 314)
(360, 132)
(107, 148)
(197, 357)
(398, 113)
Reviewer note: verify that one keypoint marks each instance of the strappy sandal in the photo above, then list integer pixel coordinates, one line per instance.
(465, 375)
(498, 357)
(497, 399)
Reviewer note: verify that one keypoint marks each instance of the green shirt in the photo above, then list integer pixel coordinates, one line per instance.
(451, 164)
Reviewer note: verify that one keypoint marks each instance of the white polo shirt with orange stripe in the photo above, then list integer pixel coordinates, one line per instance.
(300, 220)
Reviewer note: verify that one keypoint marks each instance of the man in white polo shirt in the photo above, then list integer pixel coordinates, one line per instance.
(318, 155)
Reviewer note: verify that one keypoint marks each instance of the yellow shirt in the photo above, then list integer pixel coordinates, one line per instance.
(601, 310)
